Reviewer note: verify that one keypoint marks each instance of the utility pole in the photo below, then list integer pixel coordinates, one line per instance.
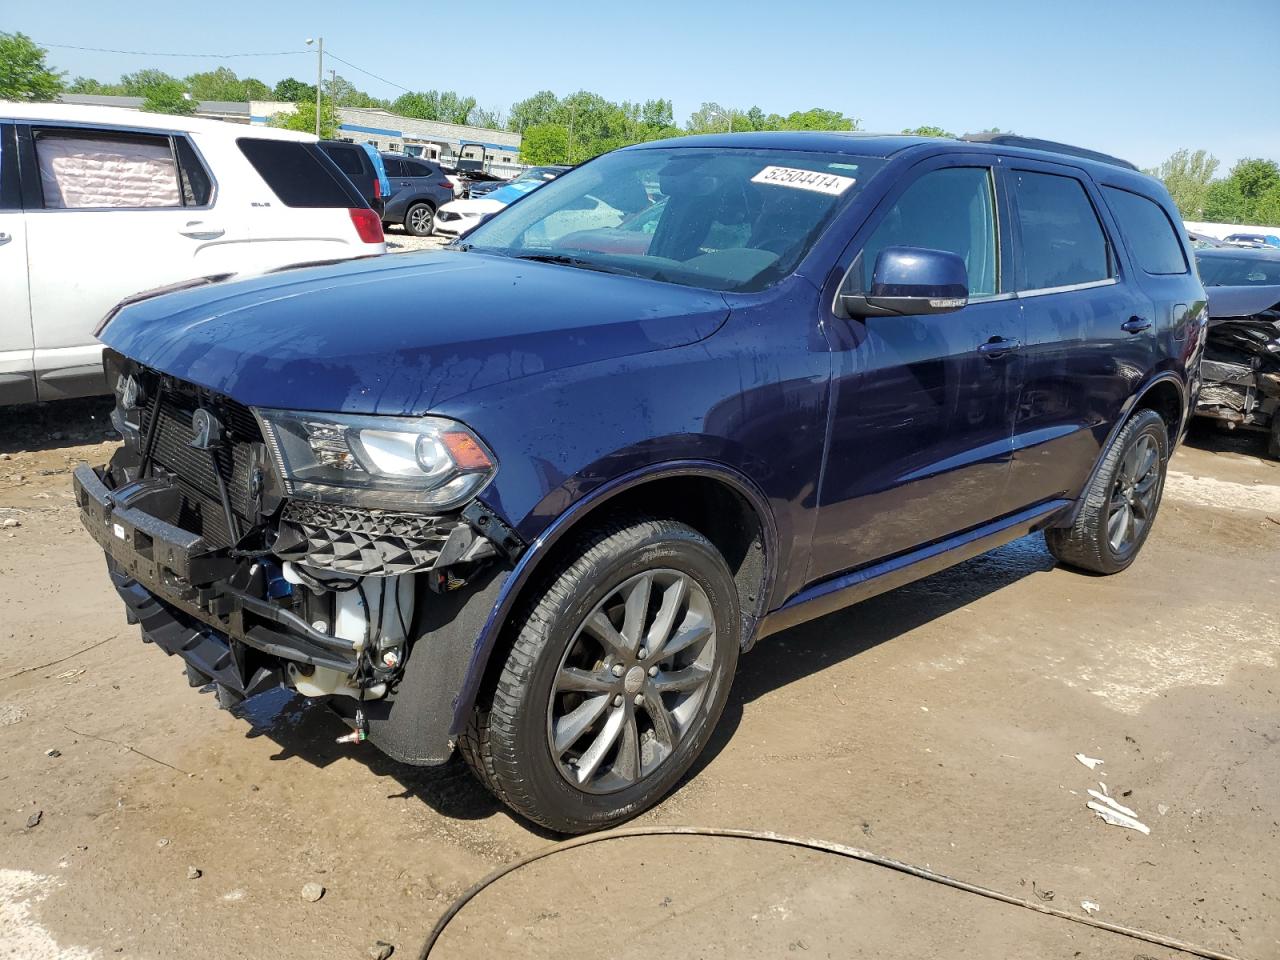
(319, 78)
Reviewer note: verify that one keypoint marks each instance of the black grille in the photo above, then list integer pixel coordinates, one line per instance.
(195, 469)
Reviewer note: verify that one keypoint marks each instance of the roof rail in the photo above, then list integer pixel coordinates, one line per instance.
(1050, 146)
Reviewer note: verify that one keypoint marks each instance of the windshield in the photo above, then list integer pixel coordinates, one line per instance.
(1238, 271)
(734, 220)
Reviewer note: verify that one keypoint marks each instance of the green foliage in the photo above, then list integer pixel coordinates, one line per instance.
(928, 131)
(24, 75)
(223, 84)
(293, 90)
(1249, 194)
(544, 143)
(536, 110)
(304, 119)
(140, 84)
(1187, 176)
(484, 117)
(344, 93)
(169, 96)
(446, 106)
(713, 118)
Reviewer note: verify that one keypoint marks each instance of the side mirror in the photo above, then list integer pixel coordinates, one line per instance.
(912, 282)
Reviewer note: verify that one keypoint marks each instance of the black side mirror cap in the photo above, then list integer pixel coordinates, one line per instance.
(912, 281)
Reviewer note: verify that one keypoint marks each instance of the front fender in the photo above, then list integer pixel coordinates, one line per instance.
(536, 553)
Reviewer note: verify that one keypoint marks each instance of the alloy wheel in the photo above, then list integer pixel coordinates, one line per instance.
(631, 681)
(1133, 496)
(420, 219)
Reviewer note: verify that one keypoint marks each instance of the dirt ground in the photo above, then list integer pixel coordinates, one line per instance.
(936, 724)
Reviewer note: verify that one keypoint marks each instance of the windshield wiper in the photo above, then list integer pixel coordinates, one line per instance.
(565, 260)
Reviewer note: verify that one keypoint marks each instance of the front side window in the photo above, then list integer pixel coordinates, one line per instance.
(1151, 237)
(951, 209)
(1062, 242)
(91, 170)
(733, 220)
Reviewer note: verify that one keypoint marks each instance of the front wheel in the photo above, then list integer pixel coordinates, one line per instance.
(420, 219)
(619, 670)
(1120, 502)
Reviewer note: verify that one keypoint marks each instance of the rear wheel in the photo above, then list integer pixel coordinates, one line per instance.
(1120, 503)
(617, 675)
(420, 219)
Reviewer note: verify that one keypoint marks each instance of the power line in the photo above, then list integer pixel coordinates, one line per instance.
(389, 83)
(152, 53)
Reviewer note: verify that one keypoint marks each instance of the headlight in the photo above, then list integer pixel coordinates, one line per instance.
(394, 463)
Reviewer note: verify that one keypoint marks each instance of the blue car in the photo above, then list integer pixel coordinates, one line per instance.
(531, 501)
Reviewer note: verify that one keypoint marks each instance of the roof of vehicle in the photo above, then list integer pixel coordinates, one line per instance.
(887, 145)
(138, 120)
(1247, 236)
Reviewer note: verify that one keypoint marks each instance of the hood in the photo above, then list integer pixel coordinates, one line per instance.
(1241, 301)
(468, 207)
(399, 334)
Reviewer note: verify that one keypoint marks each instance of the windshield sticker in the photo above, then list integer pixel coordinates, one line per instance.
(828, 183)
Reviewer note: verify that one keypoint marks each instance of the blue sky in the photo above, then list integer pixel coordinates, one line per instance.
(1132, 77)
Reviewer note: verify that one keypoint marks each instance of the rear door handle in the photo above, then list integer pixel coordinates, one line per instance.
(997, 349)
(199, 230)
(1135, 325)
(4, 238)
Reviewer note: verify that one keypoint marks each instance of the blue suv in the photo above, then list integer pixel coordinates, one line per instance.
(530, 497)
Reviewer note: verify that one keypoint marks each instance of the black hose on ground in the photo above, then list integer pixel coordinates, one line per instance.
(822, 846)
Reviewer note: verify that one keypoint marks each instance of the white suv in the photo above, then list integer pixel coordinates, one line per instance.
(99, 203)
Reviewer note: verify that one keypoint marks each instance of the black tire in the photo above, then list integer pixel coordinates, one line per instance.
(509, 741)
(1273, 444)
(1089, 543)
(420, 219)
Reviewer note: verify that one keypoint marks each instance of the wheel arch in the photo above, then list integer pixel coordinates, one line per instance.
(722, 504)
(1164, 393)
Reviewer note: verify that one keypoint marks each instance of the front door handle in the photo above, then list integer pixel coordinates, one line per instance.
(199, 230)
(997, 348)
(1135, 325)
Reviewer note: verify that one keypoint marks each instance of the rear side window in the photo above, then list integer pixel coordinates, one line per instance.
(1147, 231)
(298, 174)
(395, 166)
(83, 169)
(1062, 242)
(197, 185)
(419, 169)
(952, 209)
(350, 160)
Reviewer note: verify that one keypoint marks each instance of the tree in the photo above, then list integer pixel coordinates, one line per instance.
(169, 97)
(140, 84)
(544, 143)
(89, 85)
(344, 93)
(24, 75)
(304, 119)
(930, 132)
(293, 90)
(1224, 203)
(223, 84)
(1255, 177)
(817, 118)
(483, 117)
(1187, 176)
(533, 111)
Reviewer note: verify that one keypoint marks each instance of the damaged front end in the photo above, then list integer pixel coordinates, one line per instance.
(316, 551)
(1240, 371)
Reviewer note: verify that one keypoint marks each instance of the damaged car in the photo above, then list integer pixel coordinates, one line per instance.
(529, 500)
(1240, 372)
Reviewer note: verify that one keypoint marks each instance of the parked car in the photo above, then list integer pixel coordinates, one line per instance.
(546, 173)
(1240, 373)
(98, 203)
(632, 234)
(459, 216)
(1202, 240)
(363, 166)
(420, 188)
(538, 500)
(1253, 239)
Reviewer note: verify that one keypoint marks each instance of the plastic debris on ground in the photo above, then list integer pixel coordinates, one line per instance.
(1113, 812)
(1090, 762)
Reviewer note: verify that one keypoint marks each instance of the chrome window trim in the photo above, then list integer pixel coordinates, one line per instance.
(1070, 287)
